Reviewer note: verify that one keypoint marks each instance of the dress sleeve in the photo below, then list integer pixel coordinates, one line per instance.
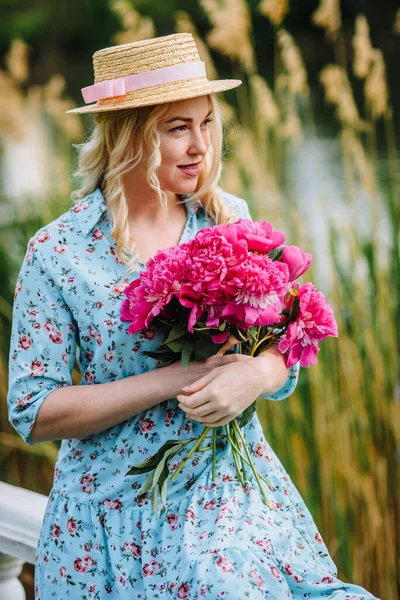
(42, 345)
(288, 387)
(291, 382)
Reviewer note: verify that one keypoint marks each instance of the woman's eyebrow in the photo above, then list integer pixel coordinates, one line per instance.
(188, 119)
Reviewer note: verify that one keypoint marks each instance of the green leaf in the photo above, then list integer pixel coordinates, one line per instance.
(151, 463)
(252, 333)
(187, 352)
(154, 499)
(176, 346)
(294, 309)
(247, 415)
(175, 334)
(162, 462)
(147, 485)
(205, 348)
(239, 333)
(163, 483)
(158, 353)
(276, 253)
(162, 326)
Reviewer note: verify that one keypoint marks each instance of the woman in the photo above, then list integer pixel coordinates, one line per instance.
(150, 173)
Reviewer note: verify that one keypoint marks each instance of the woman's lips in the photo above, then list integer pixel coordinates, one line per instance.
(192, 171)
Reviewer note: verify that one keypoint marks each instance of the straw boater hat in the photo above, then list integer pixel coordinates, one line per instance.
(155, 71)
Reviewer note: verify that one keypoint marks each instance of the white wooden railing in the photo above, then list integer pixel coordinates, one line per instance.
(21, 516)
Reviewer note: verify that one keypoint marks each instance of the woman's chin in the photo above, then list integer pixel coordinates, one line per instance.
(181, 190)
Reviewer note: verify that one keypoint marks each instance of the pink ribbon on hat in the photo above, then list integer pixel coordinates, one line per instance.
(122, 85)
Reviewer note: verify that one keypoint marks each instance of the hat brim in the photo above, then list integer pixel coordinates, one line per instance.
(159, 97)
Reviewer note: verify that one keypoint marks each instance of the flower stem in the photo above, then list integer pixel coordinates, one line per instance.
(259, 342)
(235, 424)
(197, 444)
(238, 471)
(234, 435)
(205, 448)
(247, 462)
(214, 458)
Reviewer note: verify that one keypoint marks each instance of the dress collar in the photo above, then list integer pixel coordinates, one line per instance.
(92, 208)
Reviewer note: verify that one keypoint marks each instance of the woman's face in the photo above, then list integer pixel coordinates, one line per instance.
(185, 139)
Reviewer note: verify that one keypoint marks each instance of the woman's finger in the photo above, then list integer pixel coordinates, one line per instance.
(201, 411)
(218, 423)
(198, 385)
(201, 418)
(209, 418)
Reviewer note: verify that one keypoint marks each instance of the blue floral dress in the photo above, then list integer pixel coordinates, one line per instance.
(98, 540)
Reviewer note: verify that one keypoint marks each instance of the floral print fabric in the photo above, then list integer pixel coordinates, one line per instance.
(215, 539)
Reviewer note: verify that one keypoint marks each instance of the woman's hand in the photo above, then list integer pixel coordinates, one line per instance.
(225, 392)
(198, 369)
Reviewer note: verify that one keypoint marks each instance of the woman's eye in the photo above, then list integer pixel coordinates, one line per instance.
(182, 127)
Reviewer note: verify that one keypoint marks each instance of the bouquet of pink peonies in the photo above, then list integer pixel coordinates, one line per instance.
(234, 281)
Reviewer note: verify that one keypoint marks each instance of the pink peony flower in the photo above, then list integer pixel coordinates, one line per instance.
(297, 261)
(259, 285)
(223, 270)
(211, 255)
(258, 235)
(155, 287)
(314, 323)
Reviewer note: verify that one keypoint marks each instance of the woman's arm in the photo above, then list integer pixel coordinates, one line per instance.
(279, 380)
(81, 410)
(276, 372)
(43, 404)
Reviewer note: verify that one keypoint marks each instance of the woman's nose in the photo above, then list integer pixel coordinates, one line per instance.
(199, 144)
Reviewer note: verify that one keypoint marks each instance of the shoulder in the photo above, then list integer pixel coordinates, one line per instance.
(51, 251)
(66, 231)
(51, 238)
(236, 204)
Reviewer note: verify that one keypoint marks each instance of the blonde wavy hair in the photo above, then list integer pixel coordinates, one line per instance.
(109, 153)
